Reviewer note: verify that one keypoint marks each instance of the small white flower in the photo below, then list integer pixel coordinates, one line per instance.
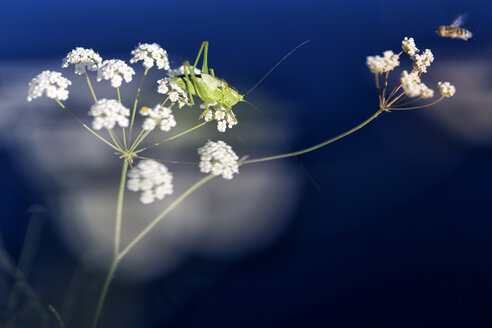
(421, 62)
(446, 89)
(221, 126)
(218, 158)
(50, 83)
(108, 112)
(174, 91)
(408, 45)
(413, 87)
(209, 115)
(159, 115)
(152, 178)
(378, 64)
(115, 70)
(83, 60)
(426, 92)
(150, 54)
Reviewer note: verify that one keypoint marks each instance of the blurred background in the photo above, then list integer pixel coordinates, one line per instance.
(388, 227)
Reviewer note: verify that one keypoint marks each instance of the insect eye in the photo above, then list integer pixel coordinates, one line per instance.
(219, 87)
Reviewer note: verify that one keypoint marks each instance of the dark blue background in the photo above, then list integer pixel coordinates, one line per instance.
(397, 236)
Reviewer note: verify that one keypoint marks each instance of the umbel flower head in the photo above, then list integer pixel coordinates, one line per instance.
(446, 89)
(159, 115)
(225, 118)
(413, 87)
(150, 54)
(408, 45)
(152, 178)
(421, 62)
(388, 62)
(218, 158)
(174, 91)
(50, 83)
(115, 70)
(83, 60)
(108, 112)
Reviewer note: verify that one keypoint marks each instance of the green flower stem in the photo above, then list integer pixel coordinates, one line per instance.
(175, 203)
(142, 135)
(115, 139)
(117, 236)
(90, 87)
(124, 138)
(119, 95)
(135, 103)
(162, 104)
(172, 138)
(85, 126)
(307, 150)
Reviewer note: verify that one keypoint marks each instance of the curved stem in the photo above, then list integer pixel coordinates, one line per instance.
(136, 102)
(85, 126)
(104, 291)
(175, 203)
(90, 87)
(303, 151)
(172, 138)
(117, 236)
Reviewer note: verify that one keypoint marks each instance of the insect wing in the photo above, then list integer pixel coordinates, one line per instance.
(459, 21)
(212, 82)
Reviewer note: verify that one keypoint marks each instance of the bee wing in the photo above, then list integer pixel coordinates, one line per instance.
(459, 20)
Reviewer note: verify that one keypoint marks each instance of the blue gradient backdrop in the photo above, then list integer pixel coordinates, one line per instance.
(400, 234)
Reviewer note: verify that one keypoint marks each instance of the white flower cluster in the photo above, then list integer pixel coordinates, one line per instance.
(108, 112)
(180, 71)
(408, 45)
(53, 84)
(150, 54)
(225, 118)
(152, 178)
(388, 62)
(174, 91)
(218, 158)
(159, 115)
(413, 87)
(115, 70)
(446, 89)
(83, 60)
(421, 62)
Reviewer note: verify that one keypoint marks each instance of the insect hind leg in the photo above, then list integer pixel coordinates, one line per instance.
(205, 57)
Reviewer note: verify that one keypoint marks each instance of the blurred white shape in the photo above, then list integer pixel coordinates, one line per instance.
(80, 176)
(468, 114)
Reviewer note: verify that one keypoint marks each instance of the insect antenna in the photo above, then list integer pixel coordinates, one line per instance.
(275, 66)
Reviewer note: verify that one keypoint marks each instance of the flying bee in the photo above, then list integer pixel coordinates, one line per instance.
(454, 31)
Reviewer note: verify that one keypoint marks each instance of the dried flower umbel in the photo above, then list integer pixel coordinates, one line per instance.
(410, 85)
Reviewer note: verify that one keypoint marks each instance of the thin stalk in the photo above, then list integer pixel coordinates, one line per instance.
(57, 316)
(90, 87)
(124, 137)
(416, 107)
(175, 203)
(165, 100)
(85, 126)
(119, 95)
(140, 138)
(117, 236)
(136, 102)
(168, 161)
(303, 151)
(115, 139)
(172, 138)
